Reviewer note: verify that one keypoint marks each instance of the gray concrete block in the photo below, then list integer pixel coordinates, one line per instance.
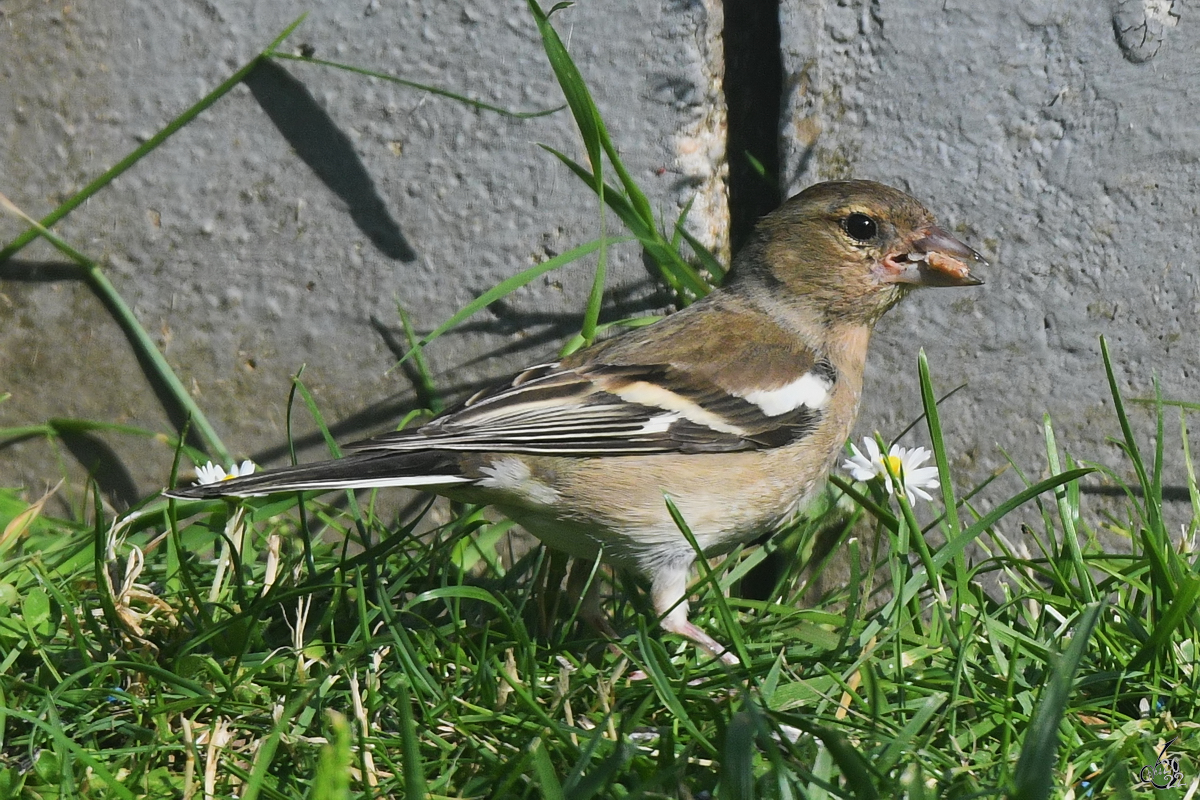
(269, 233)
(1064, 147)
(1059, 138)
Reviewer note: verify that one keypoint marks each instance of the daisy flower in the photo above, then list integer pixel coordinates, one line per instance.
(213, 473)
(869, 464)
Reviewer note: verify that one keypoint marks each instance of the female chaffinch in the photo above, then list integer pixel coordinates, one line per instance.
(735, 407)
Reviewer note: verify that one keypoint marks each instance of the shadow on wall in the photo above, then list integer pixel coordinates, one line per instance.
(329, 152)
(100, 460)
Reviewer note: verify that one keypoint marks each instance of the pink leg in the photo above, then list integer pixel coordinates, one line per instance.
(669, 594)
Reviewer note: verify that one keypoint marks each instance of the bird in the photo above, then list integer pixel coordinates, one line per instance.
(735, 407)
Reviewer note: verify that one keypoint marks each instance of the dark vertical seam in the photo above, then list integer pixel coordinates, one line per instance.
(754, 99)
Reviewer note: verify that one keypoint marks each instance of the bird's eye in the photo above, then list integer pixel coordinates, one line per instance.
(860, 227)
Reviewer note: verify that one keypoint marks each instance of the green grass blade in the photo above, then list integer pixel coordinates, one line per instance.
(410, 746)
(591, 315)
(427, 392)
(737, 763)
(911, 731)
(576, 341)
(587, 117)
(332, 778)
(258, 780)
(1034, 775)
(681, 275)
(543, 768)
(57, 427)
(601, 776)
(856, 770)
(1183, 404)
(955, 545)
(658, 678)
(507, 287)
(108, 294)
(151, 144)
(1189, 465)
(728, 621)
(63, 743)
(1154, 494)
(707, 259)
(1182, 605)
(1153, 512)
(591, 129)
(422, 87)
(636, 197)
(1066, 515)
(952, 523)
(636, 211)
(929, 404)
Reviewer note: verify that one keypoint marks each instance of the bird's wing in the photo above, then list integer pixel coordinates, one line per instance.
(597, 409)
(594, 407)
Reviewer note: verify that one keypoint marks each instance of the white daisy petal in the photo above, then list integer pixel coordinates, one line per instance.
(214, 473)
(209, 473)
(915, 491)
(870, 464)
(925, 476)
(247, 468)
(859, 466)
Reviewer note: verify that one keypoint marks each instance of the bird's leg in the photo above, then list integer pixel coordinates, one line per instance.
(547, 589)
(584, 591)
(668, 592)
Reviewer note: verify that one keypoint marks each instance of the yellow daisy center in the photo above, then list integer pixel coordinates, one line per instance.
(894, 464)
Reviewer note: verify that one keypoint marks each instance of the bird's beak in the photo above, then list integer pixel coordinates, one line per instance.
(934, 258)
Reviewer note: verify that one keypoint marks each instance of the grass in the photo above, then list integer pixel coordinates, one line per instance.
(320, 648)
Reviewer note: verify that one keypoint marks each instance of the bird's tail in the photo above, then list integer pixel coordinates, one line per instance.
(356, 471)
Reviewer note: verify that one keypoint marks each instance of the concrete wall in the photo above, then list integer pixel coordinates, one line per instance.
(268, 234)
(1063, 139)
(1058, 137)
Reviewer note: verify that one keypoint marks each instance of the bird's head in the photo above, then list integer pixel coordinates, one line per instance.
(853, 249)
